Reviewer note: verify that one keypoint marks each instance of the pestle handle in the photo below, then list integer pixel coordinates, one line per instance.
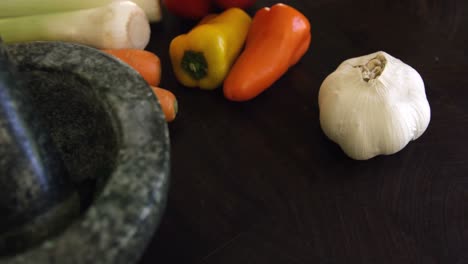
(33, 178)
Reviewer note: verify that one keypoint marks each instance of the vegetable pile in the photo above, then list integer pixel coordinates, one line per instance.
(213, 52)
(117, 27)
(371, 105)
(223, 49)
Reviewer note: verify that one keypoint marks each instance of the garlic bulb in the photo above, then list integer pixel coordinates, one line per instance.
(373, 105)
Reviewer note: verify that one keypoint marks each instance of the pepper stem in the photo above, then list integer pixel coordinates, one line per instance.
(194, 64)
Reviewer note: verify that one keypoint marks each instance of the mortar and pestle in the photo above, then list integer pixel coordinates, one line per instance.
(84, 156)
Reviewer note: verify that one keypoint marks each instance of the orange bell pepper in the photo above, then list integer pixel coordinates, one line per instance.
(277, 39)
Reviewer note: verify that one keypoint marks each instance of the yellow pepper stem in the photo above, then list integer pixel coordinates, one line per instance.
(194, 64)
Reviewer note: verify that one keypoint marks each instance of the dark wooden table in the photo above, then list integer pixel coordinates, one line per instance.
(258, 182)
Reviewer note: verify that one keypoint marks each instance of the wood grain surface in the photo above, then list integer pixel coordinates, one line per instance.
(258, 182)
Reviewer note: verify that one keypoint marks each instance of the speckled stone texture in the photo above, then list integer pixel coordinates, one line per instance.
(36, 198)
(113, 138)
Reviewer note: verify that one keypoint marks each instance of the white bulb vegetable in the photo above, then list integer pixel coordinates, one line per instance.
(372, 105)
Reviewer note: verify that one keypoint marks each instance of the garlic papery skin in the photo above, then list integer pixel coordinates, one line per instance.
(373, 105)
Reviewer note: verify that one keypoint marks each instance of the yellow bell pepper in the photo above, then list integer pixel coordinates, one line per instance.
(203, 57)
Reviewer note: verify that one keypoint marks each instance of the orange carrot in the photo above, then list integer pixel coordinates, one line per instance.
(144, 62)
(168, 102)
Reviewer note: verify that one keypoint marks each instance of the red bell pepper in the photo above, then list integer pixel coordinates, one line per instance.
(234, 3)
(191, 9)
(196, 9)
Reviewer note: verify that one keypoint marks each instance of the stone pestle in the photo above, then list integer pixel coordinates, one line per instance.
(37, 200)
